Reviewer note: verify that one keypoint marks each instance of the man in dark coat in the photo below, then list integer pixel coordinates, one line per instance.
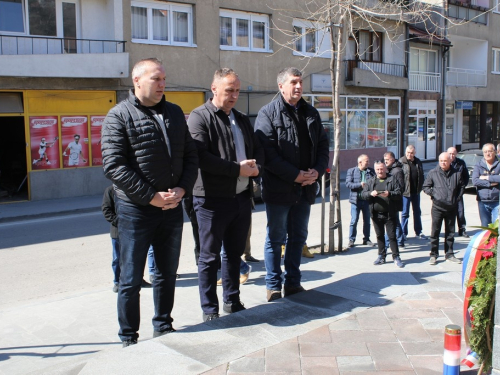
(230, 156)
(461, 167)
(383, 193)
(296, 156)
(151, 159)
(395, 169)
(445, 187)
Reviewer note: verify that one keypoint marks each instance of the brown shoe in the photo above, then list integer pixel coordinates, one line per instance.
(290, 290)
(273, 295)
(306, 253)
(283, 251)
(219, 282)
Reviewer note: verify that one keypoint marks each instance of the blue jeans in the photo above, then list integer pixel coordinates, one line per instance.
(115, 264)
(414, 199)
(399, 234)
(291, 220)
(364, 207)
(488, 212)
(140, 227)
(221, 221)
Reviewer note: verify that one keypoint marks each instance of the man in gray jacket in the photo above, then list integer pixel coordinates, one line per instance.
(149, 155)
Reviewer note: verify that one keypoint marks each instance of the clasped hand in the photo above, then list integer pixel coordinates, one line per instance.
(308, 177)
(248, 168)
(167, 200)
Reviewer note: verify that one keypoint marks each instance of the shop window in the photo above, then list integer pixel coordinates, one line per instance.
(162, 23)
(311, 39)
(244, 31)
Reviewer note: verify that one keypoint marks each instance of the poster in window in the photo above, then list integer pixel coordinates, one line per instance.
(75, 141)
(95, 137)
(44, 140)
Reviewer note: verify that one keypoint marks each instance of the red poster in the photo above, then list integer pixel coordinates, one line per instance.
(95, 137)
(44, 142)
(75, 141)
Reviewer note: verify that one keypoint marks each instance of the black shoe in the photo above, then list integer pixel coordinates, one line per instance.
(290, 290)
(233, 307)
(208, 317)
(249, 258)
(398, 262)
(164, 332)
(380, 260)
(129, 342)
(115, 288)
(350, 244)
(145, 284)
(368, 242)
(463, 233)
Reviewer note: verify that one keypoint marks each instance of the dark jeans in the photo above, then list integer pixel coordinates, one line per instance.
(414, 200)
(461, 214)
(399, 234)
(286, 224)
(363, 207)
(187, 204)
(138, 228)
(221, 221)
(115, 264)
(439, 215)
(381, 222)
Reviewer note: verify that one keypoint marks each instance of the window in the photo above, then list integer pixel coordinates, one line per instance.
(495, 63)
(365, 46)
(311, 39)
(468, 14)
(423, 61)
(49, 18)
(244, 31)
(162, 23)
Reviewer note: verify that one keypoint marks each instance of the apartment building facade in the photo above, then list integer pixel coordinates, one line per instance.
(65, 63)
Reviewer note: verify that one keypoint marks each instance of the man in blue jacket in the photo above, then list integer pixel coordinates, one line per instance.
(485, 177)
(149, 155)
(296, 156)
(356, 180)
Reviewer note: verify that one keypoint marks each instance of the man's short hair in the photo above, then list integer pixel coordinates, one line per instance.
(222, 73)
(290, 71)
(377, 162)
(362, 156)
(140, 66)
(410, 148)
(488, 145)
(391, 154)
(76, 135)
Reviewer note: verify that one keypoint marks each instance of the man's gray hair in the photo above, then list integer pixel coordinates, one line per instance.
(410, 148)
(223, 72)
(489, 145)
(290, 71)
(362, 156)
(140, 66)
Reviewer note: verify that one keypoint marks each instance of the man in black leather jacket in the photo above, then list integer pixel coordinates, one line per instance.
(445, 187)
(151, 158)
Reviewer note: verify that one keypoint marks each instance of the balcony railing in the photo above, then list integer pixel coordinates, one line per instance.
(466, 77)
(376, 67)
(425, 81)
(35, 45)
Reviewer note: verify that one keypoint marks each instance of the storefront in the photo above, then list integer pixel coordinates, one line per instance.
(422, 128)
(50, 144)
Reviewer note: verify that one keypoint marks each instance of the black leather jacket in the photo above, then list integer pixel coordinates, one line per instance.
(406, 170)
(135, 155)
(444, 188)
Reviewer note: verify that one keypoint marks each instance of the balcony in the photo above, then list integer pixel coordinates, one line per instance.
(58, 57)
(466, 77)
(375, 74)
(425, 81)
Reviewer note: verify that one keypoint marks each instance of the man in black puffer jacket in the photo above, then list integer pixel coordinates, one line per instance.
(445, 187)
(152, 160)
(296, 156)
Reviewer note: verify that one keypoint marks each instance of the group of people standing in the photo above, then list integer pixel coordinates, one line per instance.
(155, 159)
(393, 186)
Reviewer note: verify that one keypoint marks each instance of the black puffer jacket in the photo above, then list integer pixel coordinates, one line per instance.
(279, 137)
(219, 170)
(136, 157)
(444, 188)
